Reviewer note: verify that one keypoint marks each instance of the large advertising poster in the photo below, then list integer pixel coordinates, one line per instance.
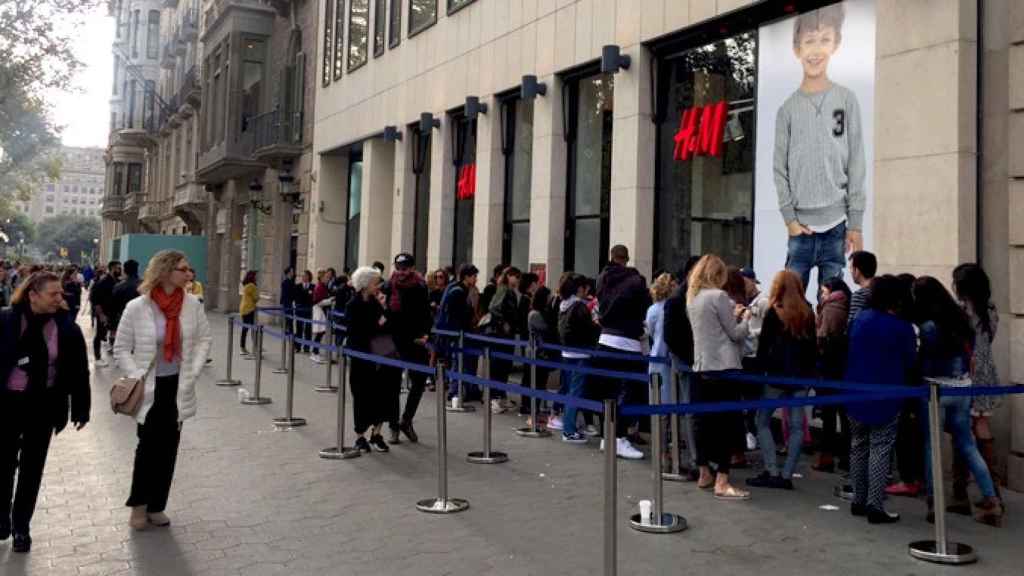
(815, 153)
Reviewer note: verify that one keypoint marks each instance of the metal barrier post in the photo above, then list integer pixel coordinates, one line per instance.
(283, 368)
(533, 430)
(676, 474)
(940, 550)
(442, 504)
(329, 338)
(458, 404)
(340, 451)
(227, 380)
(660, 522)
(486, 456)
(610, 493)
(255, 398)
(288, 422)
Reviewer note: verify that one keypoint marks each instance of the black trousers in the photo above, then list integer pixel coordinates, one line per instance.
(99, 336)
(412, 352)
(249, 318)
(623, 391)
(375, 394)
(910, 442)
(157, 452)
(715, 432)
(25, 432)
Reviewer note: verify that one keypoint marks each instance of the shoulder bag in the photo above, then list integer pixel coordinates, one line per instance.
(126, 393)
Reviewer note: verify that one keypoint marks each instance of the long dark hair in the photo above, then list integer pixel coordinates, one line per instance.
(972, 286)
(933, 302)
(837, 284)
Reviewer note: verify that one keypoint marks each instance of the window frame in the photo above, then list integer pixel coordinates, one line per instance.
(395, 11)
(457, 8)
(509, 107)
(366, 39)
(328, 45)
(351, 261)
(380, 19)
(414, 31)
(153, 35)
(340, 54)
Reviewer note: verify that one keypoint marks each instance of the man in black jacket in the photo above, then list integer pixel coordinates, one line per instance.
(678, 336)
(101, 299)
(44, 370)
(409, 312)
(455, 314)
(124, 292)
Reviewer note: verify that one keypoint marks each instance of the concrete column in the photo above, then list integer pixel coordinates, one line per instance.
(441, 229)
(403, 209)
(1015, 215)
(231, 247)
(327, 211)
(215, 227)
(547, 199)
(378, 201)
(489, 203)
(633, 150)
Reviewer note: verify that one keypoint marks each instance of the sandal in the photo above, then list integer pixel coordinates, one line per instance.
(732, 493)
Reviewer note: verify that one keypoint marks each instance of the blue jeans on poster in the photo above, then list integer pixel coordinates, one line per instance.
(577, 382)
(824, 250)
(796, 432)
(955, 417)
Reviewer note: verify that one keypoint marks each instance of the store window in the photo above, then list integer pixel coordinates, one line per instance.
(252, 80)
(328, 52)
(355, 208)
(455, 5)
(339, 37)
(517, 148)
(358, 32)
(464, 159)
(705, 178)
(422, 15)
(591, 102)
(421, 143)
(395, 25)
(380, 25)
(153, 35)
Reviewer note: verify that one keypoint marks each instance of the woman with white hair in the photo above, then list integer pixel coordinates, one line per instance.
(164, 339)
(375, 388)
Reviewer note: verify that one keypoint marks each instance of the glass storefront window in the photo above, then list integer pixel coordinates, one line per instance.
(464, 158)
(355, 206)
(421, 169)
(705, 178)
(517, 147)
(590, 151)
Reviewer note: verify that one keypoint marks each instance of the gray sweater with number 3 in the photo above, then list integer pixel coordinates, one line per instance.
(819, 158)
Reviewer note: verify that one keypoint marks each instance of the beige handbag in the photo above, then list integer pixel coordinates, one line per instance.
(126, 393)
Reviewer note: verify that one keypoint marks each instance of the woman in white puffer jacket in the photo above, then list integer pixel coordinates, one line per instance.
(163, 337)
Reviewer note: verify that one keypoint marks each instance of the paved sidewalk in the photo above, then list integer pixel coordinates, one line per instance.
(249, 500)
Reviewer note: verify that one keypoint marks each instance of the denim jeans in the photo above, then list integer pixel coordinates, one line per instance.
(796, 432)
(577, 382)
(955, 414)
(686, 421)
(824, 250)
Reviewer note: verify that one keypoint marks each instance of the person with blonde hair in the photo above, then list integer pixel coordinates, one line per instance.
(720, 327)
(164, 339)
(654, 324)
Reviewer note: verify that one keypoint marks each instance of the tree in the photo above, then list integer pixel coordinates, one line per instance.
(16, 226)
(68, 231)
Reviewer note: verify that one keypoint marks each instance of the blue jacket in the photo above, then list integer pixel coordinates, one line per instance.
(883, 350)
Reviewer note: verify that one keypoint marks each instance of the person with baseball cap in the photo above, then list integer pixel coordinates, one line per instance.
(408, 309)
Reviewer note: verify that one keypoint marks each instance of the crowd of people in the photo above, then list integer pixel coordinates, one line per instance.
(719, 325)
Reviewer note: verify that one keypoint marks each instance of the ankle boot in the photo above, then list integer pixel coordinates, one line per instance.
(990, 512)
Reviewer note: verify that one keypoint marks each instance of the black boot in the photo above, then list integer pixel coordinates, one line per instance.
(22, 543)
(880, 516)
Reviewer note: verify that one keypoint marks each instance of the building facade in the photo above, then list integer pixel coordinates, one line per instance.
(78, 190)
(228, 153)
(490, 131)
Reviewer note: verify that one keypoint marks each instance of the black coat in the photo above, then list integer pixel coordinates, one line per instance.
(71, 389)
(622, 301)
(124, 292)
(678, 331)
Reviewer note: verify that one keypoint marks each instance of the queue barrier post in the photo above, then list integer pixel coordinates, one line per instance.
(227, 380)
(329, 338)
(660, 522)
(675, 474)
(940, 550)
(340, 451)
(486, 456)
(610, 493)
(533, 430)
(458, 403)
(442, 504)
(255, 397)
(289, 421)
(285, 320)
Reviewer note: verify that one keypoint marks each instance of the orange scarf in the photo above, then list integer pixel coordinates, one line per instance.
(170, 305)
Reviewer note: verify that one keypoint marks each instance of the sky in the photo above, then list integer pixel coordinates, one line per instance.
(85, 115)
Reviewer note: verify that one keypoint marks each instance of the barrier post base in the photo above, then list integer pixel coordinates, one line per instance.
(439, 506)
(288, 423)
(669, 524)
(956, 553)
(530, 432)
(256, 400)
(228, 382)
(326, 389)
(333, 453)
(482, 458)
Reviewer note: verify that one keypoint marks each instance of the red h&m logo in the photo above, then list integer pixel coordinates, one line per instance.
(700, 131)
(466, 184)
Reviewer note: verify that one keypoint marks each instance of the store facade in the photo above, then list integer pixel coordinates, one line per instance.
(494, 132)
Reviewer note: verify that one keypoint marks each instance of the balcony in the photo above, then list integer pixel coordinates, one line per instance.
(189, 203)
(167, 56)
(150, 213)
(133, 202)
(277, 135)
(190, 94)
(170, 3)
(113, 207)
(180, 46)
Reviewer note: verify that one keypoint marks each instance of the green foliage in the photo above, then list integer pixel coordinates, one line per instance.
(17, 226)
(70, 231)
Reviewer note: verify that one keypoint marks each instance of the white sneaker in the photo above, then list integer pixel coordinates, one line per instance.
(316, 359)
(497, 407)
(591, 430)
(100, 363)
(751, 442)
(555, 423)
(623, 449)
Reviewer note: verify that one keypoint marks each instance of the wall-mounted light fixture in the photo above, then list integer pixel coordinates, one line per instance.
(392, 134)
(474, 107)
(290, 194)
(256, 197)
(428, 123)
(613, 60)
(531, 88)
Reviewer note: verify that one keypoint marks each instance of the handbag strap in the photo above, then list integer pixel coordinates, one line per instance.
(152, 364)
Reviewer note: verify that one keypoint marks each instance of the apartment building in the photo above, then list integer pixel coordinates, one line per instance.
(541, 132)
(78, 190)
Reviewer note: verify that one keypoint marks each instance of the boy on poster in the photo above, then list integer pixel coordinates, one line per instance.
(819, 155)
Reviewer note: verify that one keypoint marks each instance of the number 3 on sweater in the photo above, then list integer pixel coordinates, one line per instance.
(840, 126)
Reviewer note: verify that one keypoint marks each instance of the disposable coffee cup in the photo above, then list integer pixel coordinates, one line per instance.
(645, 512)
(455, 402)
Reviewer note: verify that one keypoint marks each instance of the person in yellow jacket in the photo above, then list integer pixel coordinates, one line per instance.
(193, 286)
(247, 308)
